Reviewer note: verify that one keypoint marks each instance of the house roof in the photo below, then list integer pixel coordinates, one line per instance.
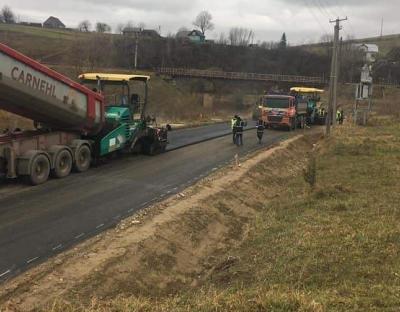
(143, 32)
(368, 47)
(132, 29)
(196, 32)
(54, 20)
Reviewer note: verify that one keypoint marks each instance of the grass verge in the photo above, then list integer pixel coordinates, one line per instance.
(331, 248)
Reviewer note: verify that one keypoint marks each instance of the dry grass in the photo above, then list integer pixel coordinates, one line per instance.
(334, 249)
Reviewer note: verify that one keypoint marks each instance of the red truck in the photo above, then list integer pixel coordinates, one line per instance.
(283, 111)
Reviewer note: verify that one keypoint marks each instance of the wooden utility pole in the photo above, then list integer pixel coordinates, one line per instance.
(331, 118)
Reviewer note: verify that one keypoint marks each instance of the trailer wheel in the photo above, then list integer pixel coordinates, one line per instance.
(39, 169)
(62, 164)
(83, 158)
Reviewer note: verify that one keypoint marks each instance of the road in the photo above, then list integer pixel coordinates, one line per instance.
(37, 222)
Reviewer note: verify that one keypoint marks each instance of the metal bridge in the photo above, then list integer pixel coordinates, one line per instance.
(210, 74)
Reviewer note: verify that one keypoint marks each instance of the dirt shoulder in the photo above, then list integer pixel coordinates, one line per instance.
(165, 248)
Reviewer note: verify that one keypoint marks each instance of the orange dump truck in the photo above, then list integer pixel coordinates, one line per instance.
(283, 111)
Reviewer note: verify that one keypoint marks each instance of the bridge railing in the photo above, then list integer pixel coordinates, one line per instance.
(198, 73)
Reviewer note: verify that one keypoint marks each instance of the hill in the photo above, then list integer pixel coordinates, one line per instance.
(39, 43)
(385, 43)
(82, 49)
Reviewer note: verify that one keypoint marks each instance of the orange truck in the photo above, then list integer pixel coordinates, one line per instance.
(283, 111)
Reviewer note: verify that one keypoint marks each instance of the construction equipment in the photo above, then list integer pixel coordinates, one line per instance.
(283, 111)
(73, 126)
(313, 98)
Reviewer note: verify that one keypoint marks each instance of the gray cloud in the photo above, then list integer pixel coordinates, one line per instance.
(302, 20)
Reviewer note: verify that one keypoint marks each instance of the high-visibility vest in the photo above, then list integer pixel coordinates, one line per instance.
(338, 115)
(233, 122)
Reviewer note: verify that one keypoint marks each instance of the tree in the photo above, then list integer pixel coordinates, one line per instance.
(239, 36)
(102, 27)
(84, 26)
(204, 22)
(283, 42)
(7, 15)
(223, 40)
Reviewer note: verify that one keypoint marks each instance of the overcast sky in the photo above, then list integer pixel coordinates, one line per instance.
(303, 20)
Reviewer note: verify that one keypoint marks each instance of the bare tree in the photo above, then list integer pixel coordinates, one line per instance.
(204, 22)
(84, 26)
(222, 39)
(7, 15)
(239, 36)
(142, 25)
(102, 27)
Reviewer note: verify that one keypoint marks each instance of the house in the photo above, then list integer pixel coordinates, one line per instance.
(370, 51)
(144, 33)
(195, 36)
(31, 24)
(53, 22)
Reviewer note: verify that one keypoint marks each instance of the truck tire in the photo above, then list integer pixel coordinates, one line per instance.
(62, 164)
(39, 169)
(83, 157)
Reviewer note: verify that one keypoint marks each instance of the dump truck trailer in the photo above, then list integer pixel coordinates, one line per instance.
(71, 125)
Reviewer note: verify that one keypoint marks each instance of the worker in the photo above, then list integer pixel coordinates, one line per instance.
(341, 116)
(338, 115)
(238, 130)
(234, 121)
(260, 130)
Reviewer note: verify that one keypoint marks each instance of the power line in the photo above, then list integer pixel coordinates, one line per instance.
(315, 16)
(341, 9)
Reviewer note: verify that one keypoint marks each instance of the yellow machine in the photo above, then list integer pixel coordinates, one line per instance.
(316, 114)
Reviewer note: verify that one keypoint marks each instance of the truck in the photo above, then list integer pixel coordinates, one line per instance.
(283, 111)
(316, 114)
(73, 125)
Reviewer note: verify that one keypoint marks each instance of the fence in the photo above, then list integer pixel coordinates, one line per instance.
(197, 73)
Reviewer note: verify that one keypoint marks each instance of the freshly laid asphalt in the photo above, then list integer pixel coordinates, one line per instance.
(37, 222)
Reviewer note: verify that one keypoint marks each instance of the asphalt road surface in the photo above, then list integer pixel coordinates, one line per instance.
(195, 135)
(37, 222)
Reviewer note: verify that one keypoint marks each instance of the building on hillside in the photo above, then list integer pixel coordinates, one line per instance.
(144, 33)
(53, 22)
(195, 36)
(31, 24)
(370, 51)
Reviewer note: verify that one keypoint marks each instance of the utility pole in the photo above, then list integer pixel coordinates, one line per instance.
(331, 118)
(137, 32)
(382, 28)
